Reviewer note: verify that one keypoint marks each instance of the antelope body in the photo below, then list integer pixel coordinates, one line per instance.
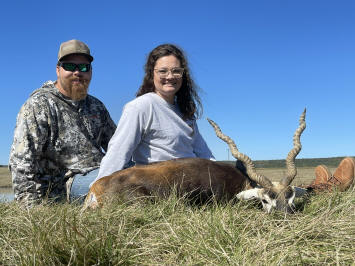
(201, 179)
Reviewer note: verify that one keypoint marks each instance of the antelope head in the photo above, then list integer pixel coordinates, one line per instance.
(278, 195)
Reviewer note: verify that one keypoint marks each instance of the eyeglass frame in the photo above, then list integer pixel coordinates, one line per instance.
(170, 71)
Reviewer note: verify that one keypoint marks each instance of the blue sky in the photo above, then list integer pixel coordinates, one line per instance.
(258, 63)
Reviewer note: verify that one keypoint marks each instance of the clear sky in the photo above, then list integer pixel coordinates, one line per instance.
(259, 64)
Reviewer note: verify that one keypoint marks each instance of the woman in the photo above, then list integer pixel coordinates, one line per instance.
(160, 124)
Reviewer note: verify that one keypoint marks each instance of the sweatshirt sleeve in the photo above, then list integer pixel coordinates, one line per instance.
(29, 139)
(200, 147)
(128, 135)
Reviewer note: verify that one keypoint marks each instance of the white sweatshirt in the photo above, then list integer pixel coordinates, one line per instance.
(152, 130)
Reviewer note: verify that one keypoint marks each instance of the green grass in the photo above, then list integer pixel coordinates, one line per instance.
(172, 232)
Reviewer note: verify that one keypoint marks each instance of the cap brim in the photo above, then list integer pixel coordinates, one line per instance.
(86, 55)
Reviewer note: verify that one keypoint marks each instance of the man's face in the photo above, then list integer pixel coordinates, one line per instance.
(74, 84)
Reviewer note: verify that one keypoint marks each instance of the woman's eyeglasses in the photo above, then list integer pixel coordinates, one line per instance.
(175, 72)
(72, 67)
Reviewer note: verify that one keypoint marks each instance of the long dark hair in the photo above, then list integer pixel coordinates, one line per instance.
(187, 97)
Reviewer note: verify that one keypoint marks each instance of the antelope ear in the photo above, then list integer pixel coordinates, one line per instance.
(249, 194)
(299, 191)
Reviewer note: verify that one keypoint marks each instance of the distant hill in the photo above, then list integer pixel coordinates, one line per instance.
(309, 162)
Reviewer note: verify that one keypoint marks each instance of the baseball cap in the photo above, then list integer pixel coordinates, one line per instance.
(74, 47)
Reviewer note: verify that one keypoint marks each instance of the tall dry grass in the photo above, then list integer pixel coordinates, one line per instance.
(173, 232)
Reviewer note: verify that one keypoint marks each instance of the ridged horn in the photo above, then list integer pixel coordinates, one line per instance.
(258, 178)
(290, 160)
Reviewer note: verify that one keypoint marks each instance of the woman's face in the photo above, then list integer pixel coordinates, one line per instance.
(167, 77)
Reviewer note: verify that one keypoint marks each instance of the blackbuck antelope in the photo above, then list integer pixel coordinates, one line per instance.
(203, 179)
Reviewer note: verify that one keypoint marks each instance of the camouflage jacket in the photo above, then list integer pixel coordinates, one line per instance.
(53, 135)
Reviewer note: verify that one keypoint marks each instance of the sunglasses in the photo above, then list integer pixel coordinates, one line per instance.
(73, 67)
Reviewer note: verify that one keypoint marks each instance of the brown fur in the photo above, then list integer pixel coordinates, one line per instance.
(196, 177)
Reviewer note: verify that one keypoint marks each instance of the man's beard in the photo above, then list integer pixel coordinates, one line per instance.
(77, 91)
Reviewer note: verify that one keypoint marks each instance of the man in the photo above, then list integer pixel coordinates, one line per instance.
(60, 130)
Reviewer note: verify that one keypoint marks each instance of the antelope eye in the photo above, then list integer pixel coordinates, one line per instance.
(264, 201)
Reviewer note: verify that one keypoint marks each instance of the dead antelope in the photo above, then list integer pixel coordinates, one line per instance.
(204, 179)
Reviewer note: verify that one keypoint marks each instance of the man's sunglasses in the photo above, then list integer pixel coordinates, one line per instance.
(73, 67)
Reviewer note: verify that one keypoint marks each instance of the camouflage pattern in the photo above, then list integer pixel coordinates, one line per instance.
(53, 135)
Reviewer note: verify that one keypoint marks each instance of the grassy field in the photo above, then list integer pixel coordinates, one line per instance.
(308, 162)
(173, 232)
(5, 178)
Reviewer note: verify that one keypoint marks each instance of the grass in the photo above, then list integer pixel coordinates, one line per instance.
(172, 232)
(5, 178)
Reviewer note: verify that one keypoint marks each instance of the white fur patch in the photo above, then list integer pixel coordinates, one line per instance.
(91, 201)
(93, 198)
(249, 194)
